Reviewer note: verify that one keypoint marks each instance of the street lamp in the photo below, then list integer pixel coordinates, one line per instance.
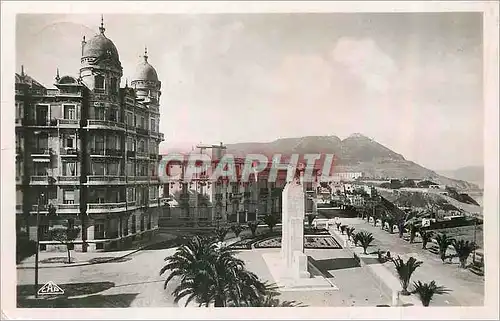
(37, 242)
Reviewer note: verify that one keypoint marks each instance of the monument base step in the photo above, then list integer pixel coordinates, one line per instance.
(286, 282)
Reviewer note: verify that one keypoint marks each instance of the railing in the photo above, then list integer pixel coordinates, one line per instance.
(131, 153)
(153, 156)
(247, 194)
(42, 151)
(68, 151)
(73, 179)
(106, 206)
(69, 206)
(70, 122)
(141, 178)
(114, 152)
(142, 154)
(97, 151)
(105, 178)
(142, 131)
(105, 123)
(39, 179)
(43, 207)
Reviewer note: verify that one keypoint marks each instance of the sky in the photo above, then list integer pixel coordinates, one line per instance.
(411, 81)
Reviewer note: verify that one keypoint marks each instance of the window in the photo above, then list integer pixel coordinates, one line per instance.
(130, 194)
(134, 225)
(130, 169)
(19, 169)
(42, 114)
(99, 142)
(130, 119)
(99, 82)
(141, 146)
(69, 141)
(114, 85)
(125, 227)
(142, 123)
(130, 144)
(113, 114)
(40, 169)
(142, 223)
(99, 113)
(69, 197)
(69, 111)
(112, 169)
(98, 168)
(69, 168)
(111, 142)
(153, 125)
(99, 230)
(19, 110)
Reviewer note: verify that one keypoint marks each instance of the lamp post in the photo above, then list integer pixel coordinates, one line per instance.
(37, 243)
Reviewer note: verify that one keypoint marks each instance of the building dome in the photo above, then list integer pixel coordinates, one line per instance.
(100, 46)
(145, 71)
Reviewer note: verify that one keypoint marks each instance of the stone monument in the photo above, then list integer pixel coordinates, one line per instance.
(292, 239)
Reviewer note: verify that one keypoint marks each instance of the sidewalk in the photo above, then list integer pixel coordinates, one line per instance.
(467, 289)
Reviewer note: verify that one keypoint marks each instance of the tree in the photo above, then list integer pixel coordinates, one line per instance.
(443, 242)
(426, 237)
(391, 221)
(24, 247)
(413, 232)
(405, 270)
(463, 249)
(310, 219)
(355, 239)
(237, 229)
(383, 220)
(252, 225)
(365, 239)
(211, 274)
(426, 291)
(271, 220)
(349, 231)
(220, 233)
(342, 229)
(66, 236)
(269, 299)
(338, 224)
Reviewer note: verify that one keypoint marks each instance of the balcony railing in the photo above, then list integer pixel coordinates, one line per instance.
(42, 151)
(69, 151)
(114, 152)
(106, 179)
(68, 122)
(43, 207)
(142, 154)
(105, 123)
(69, 207)
(69, 179)
(161, 136)
(39, 179)
(131, 153)
(106, 206)
(141, 178)
(142, 131)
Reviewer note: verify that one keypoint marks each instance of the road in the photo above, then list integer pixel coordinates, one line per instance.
(467, 288)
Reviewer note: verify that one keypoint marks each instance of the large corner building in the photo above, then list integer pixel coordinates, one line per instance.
(87, 151)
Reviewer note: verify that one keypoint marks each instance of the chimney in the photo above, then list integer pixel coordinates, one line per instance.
(22, 70)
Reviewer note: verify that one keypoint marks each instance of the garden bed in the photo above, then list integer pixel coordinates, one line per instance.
(310, 242)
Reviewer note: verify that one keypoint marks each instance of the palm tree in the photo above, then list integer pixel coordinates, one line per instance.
(338, 224)
(271, 220)
(220, 233)
(365, 239)
(383, 220)
(405, 270)
(426, 291)
(269, 299)
(252, 225)
(349, 232)
(355, 239)
(413, 232)
(211, 275)
(391, 221)
(426, 237)
(443, 242)
(237, 229)
(342, 228)
(463, 249)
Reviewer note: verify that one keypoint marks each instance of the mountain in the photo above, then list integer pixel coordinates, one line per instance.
(471, 174)
(356, 153)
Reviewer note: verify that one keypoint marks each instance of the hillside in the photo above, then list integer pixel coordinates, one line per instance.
(471, 174)
(356, 153)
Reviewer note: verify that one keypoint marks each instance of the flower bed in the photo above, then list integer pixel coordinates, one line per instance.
(310, 242)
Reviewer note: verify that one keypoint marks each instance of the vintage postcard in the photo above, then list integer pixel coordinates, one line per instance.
(336, 158)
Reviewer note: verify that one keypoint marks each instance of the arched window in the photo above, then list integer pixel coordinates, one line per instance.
(99, 82)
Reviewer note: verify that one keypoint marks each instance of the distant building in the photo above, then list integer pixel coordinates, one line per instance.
(202, 202)
(346, 176)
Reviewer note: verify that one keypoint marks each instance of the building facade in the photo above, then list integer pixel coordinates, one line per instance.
(204, 203)
(87, 151)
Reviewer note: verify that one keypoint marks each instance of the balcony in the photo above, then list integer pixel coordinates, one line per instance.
(41, 151)
(96, 208)
(68, 208)
(66, 151)
(153, 156)
(247, 194)
(69, 180)
(68, 123)
(131, 153)
(161, 136)
(39, 180)
(40, 122)
(142, 155)
(106, 152)
(142, 131)
(104, 124)
(42, 208)
(105, 180)
(141, 179)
